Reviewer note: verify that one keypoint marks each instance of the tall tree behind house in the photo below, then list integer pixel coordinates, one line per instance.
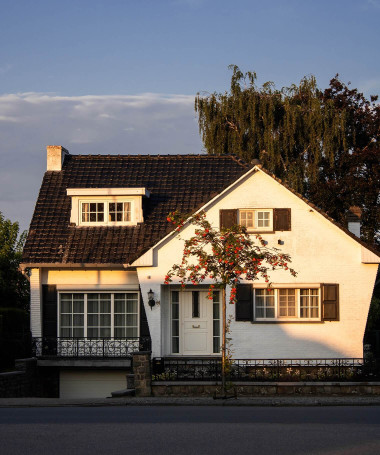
(324, 143)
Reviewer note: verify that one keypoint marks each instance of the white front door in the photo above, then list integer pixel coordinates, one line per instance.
(197, 323)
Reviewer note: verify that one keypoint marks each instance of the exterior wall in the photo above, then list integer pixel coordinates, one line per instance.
(35, 303)
(90, 384)
(321, 253)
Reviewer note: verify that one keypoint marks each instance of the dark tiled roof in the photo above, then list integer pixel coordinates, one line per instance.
(181, 182)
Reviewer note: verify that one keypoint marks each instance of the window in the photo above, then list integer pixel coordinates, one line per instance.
(175, 321)
(99, 315)
(287, 304)
(119, 211)
(215, 323)
(256, 220)
(93, 212)
(309, 303)
(264, 304)
(106, 213)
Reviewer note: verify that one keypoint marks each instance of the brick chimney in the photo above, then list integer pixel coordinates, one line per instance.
(353, 220)
(55, 156)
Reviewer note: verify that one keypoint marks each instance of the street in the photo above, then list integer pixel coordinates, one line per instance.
(190, 430)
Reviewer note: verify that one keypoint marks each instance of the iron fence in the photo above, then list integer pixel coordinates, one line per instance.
(89, 347)
(290, 370)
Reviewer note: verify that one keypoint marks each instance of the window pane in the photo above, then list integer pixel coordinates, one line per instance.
(259, 312)
(119, 332)
(131, 332)
(215, 311)
(119, 306)
(131, 319)
(175, 328)
(92, 333)
(65, 333)
(78, 332)
(175, 311)
(78, 307)
(105, 320)
(105, 332)
(92, 307)
(175, 345)
(270, 313)
(66, 320)
(101, 217)
(216, 328)
(92, 319)
(78, 320)
(65, 307)
(175, 296)
(132, 307)
(119, 320)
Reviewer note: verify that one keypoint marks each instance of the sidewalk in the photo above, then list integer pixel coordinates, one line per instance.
(193, 401)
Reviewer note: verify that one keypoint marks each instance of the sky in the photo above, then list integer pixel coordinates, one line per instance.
(120, 76)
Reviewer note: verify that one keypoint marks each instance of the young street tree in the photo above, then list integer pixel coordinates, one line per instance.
(325, 144)
(225, 257)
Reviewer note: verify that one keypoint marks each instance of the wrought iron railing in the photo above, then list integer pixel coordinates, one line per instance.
(89, 347)
(196, 369)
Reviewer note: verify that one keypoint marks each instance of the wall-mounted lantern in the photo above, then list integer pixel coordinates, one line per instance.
(151, 301)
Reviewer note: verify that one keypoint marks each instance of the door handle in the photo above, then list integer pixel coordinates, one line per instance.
(196, 326)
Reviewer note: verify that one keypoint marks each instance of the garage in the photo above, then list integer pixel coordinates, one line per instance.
(90, 383)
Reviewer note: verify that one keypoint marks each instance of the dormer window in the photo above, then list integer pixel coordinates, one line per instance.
(106, 207)
(256, 219)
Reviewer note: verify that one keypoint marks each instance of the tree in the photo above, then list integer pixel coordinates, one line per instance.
(325, 144)
(225, 257)
(14, 288)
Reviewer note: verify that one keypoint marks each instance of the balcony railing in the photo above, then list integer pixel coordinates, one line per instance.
(89, 347)
(292, 370)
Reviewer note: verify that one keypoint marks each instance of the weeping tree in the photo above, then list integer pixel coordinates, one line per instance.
(324, 144)
(223, 258)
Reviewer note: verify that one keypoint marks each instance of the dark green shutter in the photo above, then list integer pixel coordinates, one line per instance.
(244, 304)
(227, 218)
(282, 220)
(49, 310)
(330, 302)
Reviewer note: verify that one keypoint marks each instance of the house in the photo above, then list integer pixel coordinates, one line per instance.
(99, 247)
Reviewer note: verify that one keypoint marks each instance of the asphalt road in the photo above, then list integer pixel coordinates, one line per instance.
(190, 430)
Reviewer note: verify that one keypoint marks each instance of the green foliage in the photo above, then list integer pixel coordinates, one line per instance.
(324, 144)
(14, 287)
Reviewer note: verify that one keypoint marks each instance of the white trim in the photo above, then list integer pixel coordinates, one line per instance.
(108, 192)
(35, 303)
(106, 203)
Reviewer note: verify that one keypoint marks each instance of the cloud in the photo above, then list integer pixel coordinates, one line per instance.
(149, 123)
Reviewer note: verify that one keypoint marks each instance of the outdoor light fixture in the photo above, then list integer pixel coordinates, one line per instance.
(151, 301)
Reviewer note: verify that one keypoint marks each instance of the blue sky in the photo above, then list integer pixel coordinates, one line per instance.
(120, 76)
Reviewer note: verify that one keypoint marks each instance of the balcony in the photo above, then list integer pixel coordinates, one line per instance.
(88, 348)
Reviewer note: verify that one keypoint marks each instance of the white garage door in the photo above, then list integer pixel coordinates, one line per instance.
(90, 384)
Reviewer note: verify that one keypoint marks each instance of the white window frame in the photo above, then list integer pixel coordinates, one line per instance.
(297, 318)
(255, 217)
(85, 312)
(106, 221)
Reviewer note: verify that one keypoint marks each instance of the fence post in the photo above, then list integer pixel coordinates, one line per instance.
(142, 373)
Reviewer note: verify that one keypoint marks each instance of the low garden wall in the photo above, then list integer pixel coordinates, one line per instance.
(257, 389)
